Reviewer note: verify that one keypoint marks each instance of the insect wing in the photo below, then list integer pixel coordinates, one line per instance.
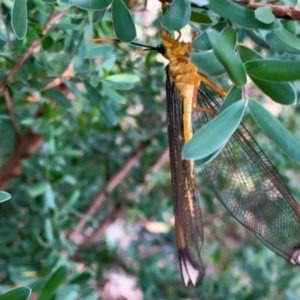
(248, 185)
(188, 221)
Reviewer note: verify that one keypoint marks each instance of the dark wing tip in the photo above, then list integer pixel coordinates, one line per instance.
(191, 272)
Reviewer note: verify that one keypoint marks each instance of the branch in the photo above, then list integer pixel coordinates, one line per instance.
(33, 48)
(280, 12)
(28, 144)
(114, 181)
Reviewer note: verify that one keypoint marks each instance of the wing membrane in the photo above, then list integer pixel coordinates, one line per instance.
(248, 185)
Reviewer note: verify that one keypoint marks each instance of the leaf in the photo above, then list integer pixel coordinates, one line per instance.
(273, 70)
(4, 196)
(123, 23)
(275, 42)
(234, 95)
(274, 130)
(264, 15)
(125, 78)
(112, 94)
(201, 18)
(58, 97)
(53, 283)
(283, 93)
(212, 136)
(177, 15)
(288, 38)
(230, 36)
(91, 4)
(19, 18)
(93, 94)
(207, 63)
(21, 293)
(248, 54)
(227, 58)
(238, 14)
(98, 51)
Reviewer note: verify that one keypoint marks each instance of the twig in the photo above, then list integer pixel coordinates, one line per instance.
(33, 48)
(11, 114)
(280, 12)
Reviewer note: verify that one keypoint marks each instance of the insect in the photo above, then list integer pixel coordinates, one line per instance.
(242, 176)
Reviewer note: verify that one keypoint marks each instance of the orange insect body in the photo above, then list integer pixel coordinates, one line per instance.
(185, 76)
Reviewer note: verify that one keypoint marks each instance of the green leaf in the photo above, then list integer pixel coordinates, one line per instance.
(238, 14)
(264, 15)
(53, 283)
(49, 198)
(201, 42)
(58, 97)
(212, 136)
(248, 54)
(98, 51)
(4, 196)
(234, 95)
(275, 42)
(207, 63)
(19, 18)
(201, 18)
(229, 34)
(123, 23)
(93, 94)
(125, 78)
(273, 70)
(112, 94)
(177, 15)
(282, 93)
(91, 4)
(227, 58)
(21, 293)
(288, 38)
(209, 158)
(274, 130)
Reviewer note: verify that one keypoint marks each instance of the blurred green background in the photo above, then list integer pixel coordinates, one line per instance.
(84, 156)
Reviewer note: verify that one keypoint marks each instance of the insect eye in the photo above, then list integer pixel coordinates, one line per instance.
(160, 48)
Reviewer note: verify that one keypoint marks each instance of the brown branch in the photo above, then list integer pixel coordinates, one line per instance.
(280, 12)
(114, 181)
(11, 114)
(28, 144)
(33, 48)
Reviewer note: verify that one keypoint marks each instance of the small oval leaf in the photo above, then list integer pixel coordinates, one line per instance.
(125, 78)
(19, 18)
(91, 4)
(4, 196)
(275, 131)
(264, 15)
(123, 23)
(282, 93)
(226, 56)
(234, 95)
(212, 136)
(238, 14)
(21, 293)
(112, 94)
(274, 70)
(53, 283)
(177, 15)
(207, 63)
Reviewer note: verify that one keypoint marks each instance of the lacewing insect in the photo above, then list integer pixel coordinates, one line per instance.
(242, 176)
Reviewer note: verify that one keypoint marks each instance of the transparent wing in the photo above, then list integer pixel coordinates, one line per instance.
(248, 185)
